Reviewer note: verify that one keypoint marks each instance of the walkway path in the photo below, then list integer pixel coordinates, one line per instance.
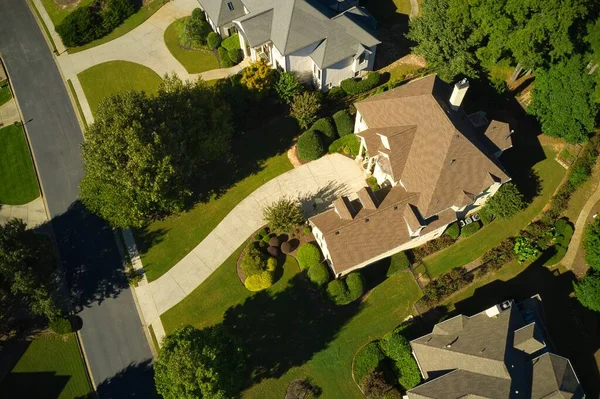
(33, 213)
(326, 179)
(9, 113)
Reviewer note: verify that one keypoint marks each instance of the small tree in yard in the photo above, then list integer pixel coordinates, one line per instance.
(591, 244)
(258, 77)
(287, 87)
(196, 363)
(525, 249)
(304, 108)
(587, 291)
(283, 215)
(506, 202)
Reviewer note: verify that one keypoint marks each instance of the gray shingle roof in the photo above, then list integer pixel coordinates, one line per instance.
(528, 339)
(460, 384)
(553, 376)
(257, 27)
(219, 12)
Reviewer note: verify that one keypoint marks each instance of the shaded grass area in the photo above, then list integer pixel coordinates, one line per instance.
(18, 182)
(402, 71)
(260, 155)
(581, 196)
(382, 8)
(154, 339)
(550, 174)
(51, 367)
(194, 61)
(128, 25)
(289, 331)
(5, 93)
(114, 77)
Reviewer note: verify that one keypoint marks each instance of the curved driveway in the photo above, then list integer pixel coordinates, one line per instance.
(318, 182)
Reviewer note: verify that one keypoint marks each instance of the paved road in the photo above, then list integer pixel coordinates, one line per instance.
(112, 334)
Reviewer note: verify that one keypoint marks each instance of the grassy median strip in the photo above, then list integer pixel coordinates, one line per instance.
(19, 182)
(77, 104)
(5, 93)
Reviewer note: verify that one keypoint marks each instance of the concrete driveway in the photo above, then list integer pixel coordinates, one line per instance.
(315, 184)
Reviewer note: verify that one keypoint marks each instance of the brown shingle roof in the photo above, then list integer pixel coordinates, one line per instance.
(443, 157)
(367, 198)
(498, 133)
(344, 208)
(411, 218)
(370, 233)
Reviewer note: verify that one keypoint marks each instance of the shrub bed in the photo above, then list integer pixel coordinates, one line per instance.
(398, 262)
(366, 359)
(354, 86)
(453, 231)
(258, 263)
(347, 145)
(470, 229)
(260, 281)
(319, 274)
(343, 123)
(448, 283)
(346, 290)
(308, 255)
(326, 128)
(432, 246)
(310, 146)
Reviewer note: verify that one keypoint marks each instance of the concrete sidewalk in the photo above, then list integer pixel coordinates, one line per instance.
(32, 213)
(324, 179)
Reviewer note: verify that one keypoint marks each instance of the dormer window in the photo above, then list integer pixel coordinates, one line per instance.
(230, 5)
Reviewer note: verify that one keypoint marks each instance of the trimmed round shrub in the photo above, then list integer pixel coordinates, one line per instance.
(271, 264)
(232, 42)
(398, 262)
(235, 55)
(213, 40)
(61, 326)
(326, 128)
(397, 347)
(337, 291)
(453, 231)
(470, 229)
(308, 255)
(198, 14)
(287, 247)
(343, 123)
(355, 86)
(275, 241)
(267, 239)
(310, 146)
(348, 145)
(273, 251)
(366, 359)
(253, 262)
(307, 230)
(356, 285)
(319, 274)
(261, 281)
(224, 59)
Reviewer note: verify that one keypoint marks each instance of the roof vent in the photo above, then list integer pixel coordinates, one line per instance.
(458, 94)
(366, 220)
(337, 233)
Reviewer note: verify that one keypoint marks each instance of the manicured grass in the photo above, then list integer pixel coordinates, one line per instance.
(79, 110)
(57, 13)
(51, 367)
(382, 8)
(580, 197)
(402, 71)
(194, 61)
(261, 157)
(469, 249)
(114, 77)
(288, 335)
(128, 25)
(5, 93)
(17, 176)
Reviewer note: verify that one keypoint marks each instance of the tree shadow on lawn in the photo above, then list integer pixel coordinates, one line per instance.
(286, 329)
(35, 384)
(574, 330)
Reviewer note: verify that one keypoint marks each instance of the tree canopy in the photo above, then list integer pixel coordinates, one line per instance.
(587, 291)
(196, 363)
(562, 100)
(591, 244)
(506, 202)
(143, 153)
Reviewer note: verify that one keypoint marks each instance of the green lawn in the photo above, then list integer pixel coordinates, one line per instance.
(113, 77)
(469, 249)
(57, 12)
(51, 367)
(5, 93)
(288, 335)
(402, 71)
(194, 61)
(261, 156)
(17, 176)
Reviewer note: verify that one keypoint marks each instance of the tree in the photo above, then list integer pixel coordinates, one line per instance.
(592, 39)
(562, 101)
(304, 108)
(287, 87)
(196, 363)
(310, 146)
(259, 77)
(283, 215)
(27, 266)
(591, 244)
(143, 153)
(493, 27)
(507, 201)
(526, 249)
(587, 291)
(444, 36)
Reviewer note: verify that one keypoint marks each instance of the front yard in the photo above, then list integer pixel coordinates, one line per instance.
(51, 367)
(194, 61)
(471, 248)
(19, 182)
(5, 93)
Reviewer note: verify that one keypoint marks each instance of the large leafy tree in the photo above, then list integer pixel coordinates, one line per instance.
(27, 279)
(506, 202)
(591, 244)
(444, 36)
(587, 291)
(143, 153)
(563, 100)
(493, 27)
(199, 364)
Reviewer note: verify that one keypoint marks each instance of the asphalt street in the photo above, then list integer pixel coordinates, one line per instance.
(112, 334)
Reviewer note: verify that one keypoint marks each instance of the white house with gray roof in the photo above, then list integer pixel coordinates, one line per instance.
(323, 41)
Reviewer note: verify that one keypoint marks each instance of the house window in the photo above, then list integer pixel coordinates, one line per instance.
(317, 72)
(230, 5)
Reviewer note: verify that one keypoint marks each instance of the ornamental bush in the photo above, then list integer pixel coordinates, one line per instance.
(61, 326)
(319, 274)
(284, 215)
(367, 358)
(235, 56)
(261, 281)
(326, 128)
(525, 249)
(356, 285)
(275, 241)
(374, 385)
(286, 247)
(271, 264)
(232, 42)
(254, 261)
(224, 60)
(114, 12)
(310, 146)
(213, 41)
(355, 86)
(80, 27)
(591, 244)
(347, 145)
(453, 230)
(273, 251)
(398, 262)
(304, 108)
(506, 202)
(195, 32)
(308, 255)
(347, 290)
(470, 229)
(396, 347)
(287, 87)
(343, 122)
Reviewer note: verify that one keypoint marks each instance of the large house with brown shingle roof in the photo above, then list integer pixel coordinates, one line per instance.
(502, 352)
(437, 163)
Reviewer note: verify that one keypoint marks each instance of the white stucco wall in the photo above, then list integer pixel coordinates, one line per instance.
(322, 243)
(276, 56)
(359, 123)
(337, 72)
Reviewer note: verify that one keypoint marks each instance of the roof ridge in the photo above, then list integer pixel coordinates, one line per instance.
(473, 356)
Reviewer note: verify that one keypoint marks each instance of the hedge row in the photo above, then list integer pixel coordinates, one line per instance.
(344, 123)
(354, 86)
(310, 146)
